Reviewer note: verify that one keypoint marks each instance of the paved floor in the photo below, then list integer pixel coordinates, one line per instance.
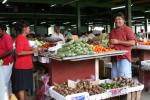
(145, 95)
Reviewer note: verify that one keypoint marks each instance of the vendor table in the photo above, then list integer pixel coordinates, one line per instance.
(79, 67)
(141, 51)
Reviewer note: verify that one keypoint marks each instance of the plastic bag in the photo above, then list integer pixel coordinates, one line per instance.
(44, 88)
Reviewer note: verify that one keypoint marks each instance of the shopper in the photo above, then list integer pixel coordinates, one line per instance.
(23, 78)
(6, 54)
(121, 38)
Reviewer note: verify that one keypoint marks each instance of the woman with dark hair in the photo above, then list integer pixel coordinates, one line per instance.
(23, 78)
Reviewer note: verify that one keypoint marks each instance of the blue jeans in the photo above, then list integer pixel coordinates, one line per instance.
(121, 68)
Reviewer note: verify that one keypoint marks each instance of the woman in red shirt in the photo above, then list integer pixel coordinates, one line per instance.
(23, 78)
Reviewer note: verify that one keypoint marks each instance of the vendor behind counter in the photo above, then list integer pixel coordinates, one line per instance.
(56, 37)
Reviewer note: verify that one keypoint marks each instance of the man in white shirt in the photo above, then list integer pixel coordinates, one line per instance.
(57, 36)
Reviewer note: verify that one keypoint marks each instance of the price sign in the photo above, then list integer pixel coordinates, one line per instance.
(116, 91)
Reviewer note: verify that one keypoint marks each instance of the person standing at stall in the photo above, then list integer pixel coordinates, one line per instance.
(121, 38)
(57, 36)
(23, 78)
(6, 54)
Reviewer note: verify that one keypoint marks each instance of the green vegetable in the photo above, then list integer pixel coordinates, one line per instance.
(75, 48)
(1, 62)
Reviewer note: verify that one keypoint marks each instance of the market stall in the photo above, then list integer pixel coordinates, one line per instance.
(143, 53)
(97, 90)
(78, 67)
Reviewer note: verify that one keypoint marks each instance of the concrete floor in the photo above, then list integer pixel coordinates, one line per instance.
(145, 95)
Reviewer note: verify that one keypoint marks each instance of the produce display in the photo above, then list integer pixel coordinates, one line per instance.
(93, 89)
(112, 85)
(39, 43)
(63, 89)
(86, 86)
(75, 48)
(147, 43)
(100, 39)
(100, 48)
(82, 86)
(119, 82)
(1, 62)
(45, 45)
(126, 82)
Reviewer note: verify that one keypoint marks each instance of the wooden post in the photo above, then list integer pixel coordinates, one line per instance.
(138, 95)
(129, 96)
(133, 96)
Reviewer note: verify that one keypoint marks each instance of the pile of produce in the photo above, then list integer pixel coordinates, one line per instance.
(100, 48)
(45, 45)
(82, 86)
(1, 62)
(86, 86)
(147, 43)
(101, 39)
(112, 85)
(63, 89)
(126, 82)
(120, 82)
(75, 48)
(39, 43)
(93, 89)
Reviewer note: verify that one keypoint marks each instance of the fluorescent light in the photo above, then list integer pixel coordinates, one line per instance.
(119, 7)
(13, 22)
(4, 1)
(66, 23)
(73, 25)
(90, 22)
(98, 28)
(53, 5)
(138, 17)
(138, 24)
(31, 25)
(133, 21)
(42, 22)
(147, 11)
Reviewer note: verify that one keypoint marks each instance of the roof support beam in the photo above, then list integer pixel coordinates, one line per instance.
(78, 18)
(129, 13)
